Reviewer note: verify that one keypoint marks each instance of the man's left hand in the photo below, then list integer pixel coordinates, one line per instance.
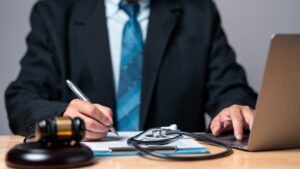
(236, 117)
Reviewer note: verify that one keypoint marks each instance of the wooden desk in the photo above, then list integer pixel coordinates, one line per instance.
(284, 159)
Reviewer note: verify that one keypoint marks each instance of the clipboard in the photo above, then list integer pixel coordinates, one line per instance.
(117, 146)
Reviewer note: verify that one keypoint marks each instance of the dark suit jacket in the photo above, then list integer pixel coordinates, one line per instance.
(188, 68)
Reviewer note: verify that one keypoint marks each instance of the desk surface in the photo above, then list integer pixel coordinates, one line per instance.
(289, 159)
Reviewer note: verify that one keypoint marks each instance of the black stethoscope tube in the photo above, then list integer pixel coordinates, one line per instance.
(138, 145)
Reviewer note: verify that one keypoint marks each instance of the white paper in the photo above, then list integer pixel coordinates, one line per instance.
(112, 141)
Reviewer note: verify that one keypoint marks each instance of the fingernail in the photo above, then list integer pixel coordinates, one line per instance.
(239, 137)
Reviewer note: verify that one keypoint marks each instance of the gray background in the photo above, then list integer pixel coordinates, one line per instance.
(249, 25)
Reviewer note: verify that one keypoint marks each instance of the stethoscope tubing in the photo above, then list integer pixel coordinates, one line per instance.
(138, 145)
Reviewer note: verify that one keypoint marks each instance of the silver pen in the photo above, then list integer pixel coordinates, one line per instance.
(83, 97)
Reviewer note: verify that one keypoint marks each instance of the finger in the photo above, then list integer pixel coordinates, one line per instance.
(90, 124)
(95, 126)
(225, 120)
(90, 135)
(227, 126)
(237, 122)
(106, 111)
(248, 114)
(225, 116)
(216, 125)
(91, 111)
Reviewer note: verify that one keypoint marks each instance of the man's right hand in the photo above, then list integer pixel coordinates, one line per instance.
(95, 116)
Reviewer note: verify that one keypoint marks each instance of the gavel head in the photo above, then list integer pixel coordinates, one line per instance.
(60, 131)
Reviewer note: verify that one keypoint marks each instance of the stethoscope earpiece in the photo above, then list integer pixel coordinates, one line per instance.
(171, 127)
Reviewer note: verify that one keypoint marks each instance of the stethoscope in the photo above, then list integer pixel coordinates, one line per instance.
(166, 135)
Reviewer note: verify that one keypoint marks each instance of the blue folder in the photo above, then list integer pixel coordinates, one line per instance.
(134, 153)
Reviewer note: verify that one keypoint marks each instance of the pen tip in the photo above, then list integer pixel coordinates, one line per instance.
(114, 131)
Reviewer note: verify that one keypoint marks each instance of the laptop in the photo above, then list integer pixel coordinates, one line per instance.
(277, 119)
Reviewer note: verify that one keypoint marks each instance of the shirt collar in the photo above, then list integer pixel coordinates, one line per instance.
(112, 6)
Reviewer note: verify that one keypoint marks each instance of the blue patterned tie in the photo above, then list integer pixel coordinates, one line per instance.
(129, 93)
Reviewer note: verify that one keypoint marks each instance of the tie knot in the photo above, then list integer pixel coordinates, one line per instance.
(130, 8)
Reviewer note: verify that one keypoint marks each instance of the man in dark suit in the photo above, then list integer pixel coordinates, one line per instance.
(185, 63)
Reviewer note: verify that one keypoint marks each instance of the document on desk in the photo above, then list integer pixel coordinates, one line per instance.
(117, 146)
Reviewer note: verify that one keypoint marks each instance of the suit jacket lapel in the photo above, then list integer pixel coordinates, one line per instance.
(89, 18)
(89, 32)
(162, 21)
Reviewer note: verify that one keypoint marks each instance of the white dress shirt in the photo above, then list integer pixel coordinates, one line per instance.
(116, 19)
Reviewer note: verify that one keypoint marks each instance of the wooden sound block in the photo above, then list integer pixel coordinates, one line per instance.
(35, 155)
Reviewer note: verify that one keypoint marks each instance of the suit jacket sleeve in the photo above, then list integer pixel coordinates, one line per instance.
(31, 96)
(227, 84)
